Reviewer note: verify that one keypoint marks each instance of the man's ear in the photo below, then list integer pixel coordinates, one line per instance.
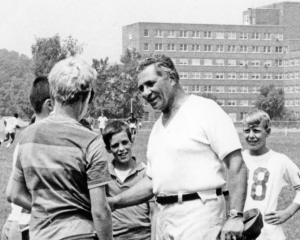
(49, 104)
(268, 130)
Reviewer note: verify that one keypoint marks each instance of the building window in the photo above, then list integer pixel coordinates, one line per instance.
(171, 34)
(130, 35)
(220, 48)
(268, 63)
(207, 48)
(208, 89)
(296, 75)
(255, 49)
(296, 62)
(279, 36)
(278, 49)
(195, 88)
(243, 49)
(183, 47)
(196, 48)
(183, 61)
(146, 34)
(244, 102)
(242, 115)
(291, 75)
(171, 47)
(158, 33)
(231, 76)
(196, 75)
(183, 34)
(231, 35)
(221, 102)
(219, 75)
(231, 48)
(255, 76)
(278, 63)
(158, 47)
(232, 89)
(183, 75)
(286, 76)
(243, 62)
(207, 75)
(286, 63)
(244, 89)
(243, 76)
(220, 62)
(196, 34)
(219, 35)
(243, 36)
(255, 36)
(185, 88)
(255, 63)
(195, 62)
(267, 49)
(231, 62)
(231, 103)
(255, 89)
(267, 36)
(146, 46)
(291, 62)
(207, 62)
(267, 76)
(207, 35)
(220, 89)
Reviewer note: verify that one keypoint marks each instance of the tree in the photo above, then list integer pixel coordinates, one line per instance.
(116, 87)
(48, 51)
(271, 100)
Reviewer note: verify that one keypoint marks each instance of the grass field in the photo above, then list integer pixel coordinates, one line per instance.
(289, 145)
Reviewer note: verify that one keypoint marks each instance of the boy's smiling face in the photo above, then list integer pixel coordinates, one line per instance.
(120, 147)
(256, 136)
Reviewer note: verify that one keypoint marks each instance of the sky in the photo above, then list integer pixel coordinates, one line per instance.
(98, 23)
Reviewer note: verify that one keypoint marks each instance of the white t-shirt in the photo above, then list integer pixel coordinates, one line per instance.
(267, 175)
(186, 156)
(102, 121)
(11, 124)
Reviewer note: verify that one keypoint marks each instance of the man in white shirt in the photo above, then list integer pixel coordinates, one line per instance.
(186, 150)
(11, 124)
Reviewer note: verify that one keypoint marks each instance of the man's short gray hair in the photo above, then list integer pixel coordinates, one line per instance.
(71, 80)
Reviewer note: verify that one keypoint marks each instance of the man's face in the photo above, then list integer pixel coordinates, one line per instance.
(256, 136)
(120, 147)
(156, 90)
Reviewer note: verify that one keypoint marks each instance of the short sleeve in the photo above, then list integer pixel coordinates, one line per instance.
(221, 132)
(97, 167)
(18, 173)
(292, 174)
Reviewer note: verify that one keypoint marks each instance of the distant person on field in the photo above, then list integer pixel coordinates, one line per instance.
(269, 172)
(11, 124)
(132, 124)
(136, 222)
(16, 226)
(62, 178)
(102, 122)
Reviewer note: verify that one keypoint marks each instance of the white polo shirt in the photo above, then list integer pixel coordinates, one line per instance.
(186, 156)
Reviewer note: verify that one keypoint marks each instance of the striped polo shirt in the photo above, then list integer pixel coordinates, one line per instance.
(60, 161)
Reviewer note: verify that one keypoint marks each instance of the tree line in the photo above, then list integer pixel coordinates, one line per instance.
(115, 87)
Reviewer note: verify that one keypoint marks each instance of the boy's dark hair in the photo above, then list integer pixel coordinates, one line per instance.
(16, 115)
(113, 128)
(39, 93)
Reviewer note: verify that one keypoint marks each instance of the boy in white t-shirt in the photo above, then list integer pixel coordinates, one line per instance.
(11, 124)
(135, 222)
(268, 173)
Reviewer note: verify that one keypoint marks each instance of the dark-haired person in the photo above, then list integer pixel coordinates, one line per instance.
(62, 178)
(186, 148)
(11, 124)
(17, 224)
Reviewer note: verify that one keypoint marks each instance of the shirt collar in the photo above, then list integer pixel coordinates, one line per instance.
(137, 166)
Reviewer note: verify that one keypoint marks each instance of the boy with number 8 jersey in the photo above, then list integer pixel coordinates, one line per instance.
(268, 173)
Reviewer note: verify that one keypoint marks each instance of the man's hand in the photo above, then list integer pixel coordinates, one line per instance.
(112, 203)
(232, 229)
(277, 217)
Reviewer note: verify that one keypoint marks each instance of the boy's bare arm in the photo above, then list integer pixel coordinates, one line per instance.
(19, 194)
(153, 216)
(280, 216)
(139, 193)
(101, 213)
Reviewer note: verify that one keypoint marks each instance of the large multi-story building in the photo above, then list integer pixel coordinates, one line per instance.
(231, 62)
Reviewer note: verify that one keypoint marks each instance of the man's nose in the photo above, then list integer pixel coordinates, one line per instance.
(146, 92)
(121, 147)
(251, 134)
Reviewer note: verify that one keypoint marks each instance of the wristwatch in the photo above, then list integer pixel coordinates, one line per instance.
(234, 213)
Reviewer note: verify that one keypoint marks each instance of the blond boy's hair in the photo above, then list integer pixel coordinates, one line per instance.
(256, 116)
(71, 80)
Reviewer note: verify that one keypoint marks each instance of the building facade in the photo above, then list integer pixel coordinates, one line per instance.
(231, 62)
